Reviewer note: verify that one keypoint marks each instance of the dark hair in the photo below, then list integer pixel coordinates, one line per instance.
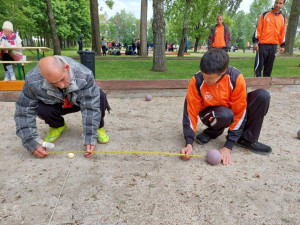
(214, 61)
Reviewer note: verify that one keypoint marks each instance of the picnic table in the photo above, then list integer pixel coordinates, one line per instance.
(20, 64)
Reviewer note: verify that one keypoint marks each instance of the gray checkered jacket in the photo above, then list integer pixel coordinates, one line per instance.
(82, 91)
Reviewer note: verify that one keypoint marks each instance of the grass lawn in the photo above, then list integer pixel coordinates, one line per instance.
(183, 69)
(133, 68)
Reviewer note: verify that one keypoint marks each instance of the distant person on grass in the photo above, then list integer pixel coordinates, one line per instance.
(104, 45)
(57, 86)
(269, 33)
(80, 42)
(219, 36)
(217, 94)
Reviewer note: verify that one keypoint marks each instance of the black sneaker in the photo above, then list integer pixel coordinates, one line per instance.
(255, 147)
(202, 138)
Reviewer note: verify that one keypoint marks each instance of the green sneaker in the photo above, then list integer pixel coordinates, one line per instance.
(54, 133)
(102, 136)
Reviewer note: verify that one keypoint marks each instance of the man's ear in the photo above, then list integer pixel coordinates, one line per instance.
(67, 67)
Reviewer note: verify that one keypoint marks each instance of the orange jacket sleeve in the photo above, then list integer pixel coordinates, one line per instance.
(191, 111)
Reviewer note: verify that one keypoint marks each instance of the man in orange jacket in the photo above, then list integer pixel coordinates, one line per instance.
(269, 33)
(218, 96)
(219, 36)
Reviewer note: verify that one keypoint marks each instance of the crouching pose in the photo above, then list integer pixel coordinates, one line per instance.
(57, 86)
(217, 94)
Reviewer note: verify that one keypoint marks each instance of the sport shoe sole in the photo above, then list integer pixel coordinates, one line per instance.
(254, 151)
(202, 139)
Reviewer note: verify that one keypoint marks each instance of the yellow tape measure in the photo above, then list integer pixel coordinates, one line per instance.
(128, 152)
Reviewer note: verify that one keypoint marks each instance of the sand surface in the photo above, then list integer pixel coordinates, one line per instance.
(153, 189)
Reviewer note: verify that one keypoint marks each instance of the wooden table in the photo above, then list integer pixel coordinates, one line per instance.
(22, 63)
(38, 49)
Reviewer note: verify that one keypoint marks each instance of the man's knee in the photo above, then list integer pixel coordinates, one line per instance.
(225, 114)
(222, 117)
(261, 96)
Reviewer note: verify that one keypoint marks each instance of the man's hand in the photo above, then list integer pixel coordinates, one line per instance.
(40, 152)
(187, 151)
(280, 50)
(225, 153)
(255, 47)
(89, 151)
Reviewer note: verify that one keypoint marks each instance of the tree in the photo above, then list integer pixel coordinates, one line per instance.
(201, 17)
(143, 27)
(241, 30)
(292, 27)
(96, 45)
(121, 27)
(158, 25)
(184, 29)
(55, 40)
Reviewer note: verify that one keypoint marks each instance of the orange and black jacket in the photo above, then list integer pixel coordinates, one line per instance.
(270, 29)
(230, 91)
(211, 37)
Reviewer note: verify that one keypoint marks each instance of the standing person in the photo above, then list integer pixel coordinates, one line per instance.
(218, 96)
(80, 42)
(219, 36)
(186, 46)
(148, 47)
(133, 46)
(59, 85)
(138, 46)
(269, 33)
(104, 45)
(8, 38)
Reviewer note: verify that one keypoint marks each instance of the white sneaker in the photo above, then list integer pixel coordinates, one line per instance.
(6, 78)
(12, 77)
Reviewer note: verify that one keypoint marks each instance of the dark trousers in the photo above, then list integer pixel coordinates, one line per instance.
(80, 46)
(265, 57)
(218, 118)
(103, 50)
(6, 57)
(52, 114)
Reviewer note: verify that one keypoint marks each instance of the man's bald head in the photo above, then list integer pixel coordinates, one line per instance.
(54, 71)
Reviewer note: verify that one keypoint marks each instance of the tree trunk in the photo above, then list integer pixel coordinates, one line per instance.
(55, 40)
(184, 29)
(143, 27)
(96, 45)
(292, 27)
(158, 26)
(196, 44)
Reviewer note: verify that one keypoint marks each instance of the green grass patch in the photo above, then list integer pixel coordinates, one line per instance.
(183, 69)
(137, 69)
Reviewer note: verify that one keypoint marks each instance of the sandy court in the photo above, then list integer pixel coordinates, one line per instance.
(153, 189)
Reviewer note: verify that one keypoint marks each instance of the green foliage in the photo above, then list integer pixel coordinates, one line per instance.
(109, 3)
(242, 30)
(30, 18)
(121, 27)
(202, 17)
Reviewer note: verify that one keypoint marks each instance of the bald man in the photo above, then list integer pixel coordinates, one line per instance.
(57, 86)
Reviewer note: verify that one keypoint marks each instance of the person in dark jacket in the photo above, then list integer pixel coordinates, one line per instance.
(80, 42)
(219, 36)
(133, 46)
